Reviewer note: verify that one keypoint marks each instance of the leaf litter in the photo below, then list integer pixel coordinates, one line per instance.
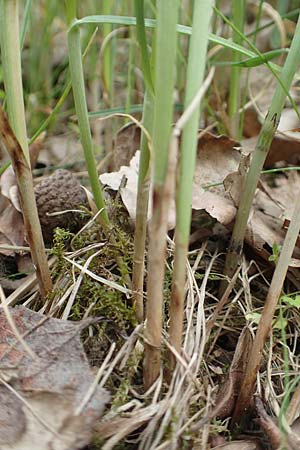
(203, 387)
(199, 392)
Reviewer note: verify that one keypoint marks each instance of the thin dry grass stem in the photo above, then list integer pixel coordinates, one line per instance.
(268, 82)
(185, 386)
(146, 442)
(199, 333)
(111, 284)
(123, 351)
(195, 337)
(179, 395)
(125, 425)
(220, 305)
(193, 292)
(90, 392)
(132, 345)
(15, 248)
(276, 17)
(34, 297)
(223, 321)
(58, 303)
(269, 391)
(76, 287)
(188, 366)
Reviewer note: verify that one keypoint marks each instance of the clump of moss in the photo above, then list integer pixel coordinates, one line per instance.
(108, 303)
(61, 238)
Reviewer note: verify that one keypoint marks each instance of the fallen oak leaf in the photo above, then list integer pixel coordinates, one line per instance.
(49, 388)
(217, 156)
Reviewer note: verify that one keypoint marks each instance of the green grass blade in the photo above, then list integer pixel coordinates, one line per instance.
(183, 29)
(141, 35)
(25, 22)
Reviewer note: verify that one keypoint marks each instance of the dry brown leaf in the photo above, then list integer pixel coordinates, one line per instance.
(126, 143)
(265, 224)
(129, 191)
(218, 183)
(217, 157)
(120, 427)
(229, 391)
(61, 149)
(270, 210)
(45, 392)
(9, 187)
(282, 149)
(11, 228)
(271, 429)
(11, 220)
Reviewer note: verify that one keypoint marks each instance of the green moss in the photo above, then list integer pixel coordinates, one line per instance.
(61, 238)
(108, 303)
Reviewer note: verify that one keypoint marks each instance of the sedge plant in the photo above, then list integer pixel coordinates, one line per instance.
(165, 60)
(263, 144)
(144, 175)
(265, 323)
(264, 141)
(14, 138)
(77, 78)
(78, 88)
(234, 103)
(195, 72)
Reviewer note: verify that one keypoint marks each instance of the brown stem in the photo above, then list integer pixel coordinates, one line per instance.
(29, 209)
(139, 249)
(156, 269)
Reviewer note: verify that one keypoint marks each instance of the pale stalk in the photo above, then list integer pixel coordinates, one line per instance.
(12, 71)
(165, 60)
(142, 213)
(144, 175)
(14, 138)
(189, 122)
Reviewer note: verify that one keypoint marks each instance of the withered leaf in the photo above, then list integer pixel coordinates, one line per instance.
(45, 392)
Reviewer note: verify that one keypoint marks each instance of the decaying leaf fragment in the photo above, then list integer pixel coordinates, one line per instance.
(217, 157)
(229, 391)
(42, 399)
(218, 182)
